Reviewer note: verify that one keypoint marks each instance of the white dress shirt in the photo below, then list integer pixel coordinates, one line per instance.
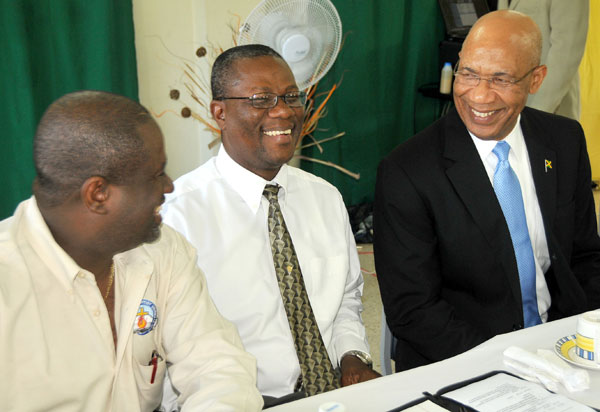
(220, 209)
(56, 345)
(518, 157)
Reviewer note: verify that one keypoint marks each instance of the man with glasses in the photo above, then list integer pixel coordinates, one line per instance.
(296, 304)
(484, 222)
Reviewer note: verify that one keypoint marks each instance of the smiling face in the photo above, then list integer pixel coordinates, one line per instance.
(501, 44)
(260, 140)
(138, 202)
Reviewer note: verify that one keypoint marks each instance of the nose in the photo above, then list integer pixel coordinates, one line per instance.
(482, 93)
(281, 109)
(168, 185)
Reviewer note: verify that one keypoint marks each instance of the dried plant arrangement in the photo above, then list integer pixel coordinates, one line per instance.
(194, 101)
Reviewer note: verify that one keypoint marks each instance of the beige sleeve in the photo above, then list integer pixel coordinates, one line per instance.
(568, 22)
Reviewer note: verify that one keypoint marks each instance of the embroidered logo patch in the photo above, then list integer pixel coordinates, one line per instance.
(146, 318)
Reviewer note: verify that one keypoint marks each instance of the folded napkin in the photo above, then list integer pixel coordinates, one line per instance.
(546, 368)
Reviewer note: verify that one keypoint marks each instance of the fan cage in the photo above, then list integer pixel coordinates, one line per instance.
(318, 20)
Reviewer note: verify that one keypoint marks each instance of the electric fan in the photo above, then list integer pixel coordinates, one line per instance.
(307, 34)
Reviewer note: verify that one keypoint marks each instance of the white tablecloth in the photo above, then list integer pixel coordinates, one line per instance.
(391, 391)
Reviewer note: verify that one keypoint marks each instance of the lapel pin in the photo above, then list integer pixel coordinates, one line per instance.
(548, 165)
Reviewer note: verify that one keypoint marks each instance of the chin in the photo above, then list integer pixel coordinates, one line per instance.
(488, 134)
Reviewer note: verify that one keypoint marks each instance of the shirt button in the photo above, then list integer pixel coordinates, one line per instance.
(96, 313)
(70, 292)
(81, 275)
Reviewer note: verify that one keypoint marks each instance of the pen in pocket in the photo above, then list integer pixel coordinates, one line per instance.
(154, 363)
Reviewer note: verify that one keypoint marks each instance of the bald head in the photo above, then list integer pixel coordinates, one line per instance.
(85, 134)
(499, 67)
(510, 29)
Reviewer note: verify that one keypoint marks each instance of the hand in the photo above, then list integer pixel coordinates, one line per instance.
(354, 371)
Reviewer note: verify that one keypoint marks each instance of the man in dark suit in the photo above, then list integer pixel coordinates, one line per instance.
(454, 263)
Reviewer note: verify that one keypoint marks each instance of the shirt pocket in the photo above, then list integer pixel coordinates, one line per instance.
(149, 359)
(325, 280)
(149, 380)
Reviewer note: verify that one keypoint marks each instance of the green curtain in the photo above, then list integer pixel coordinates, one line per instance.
(391, 49)
(49, 48)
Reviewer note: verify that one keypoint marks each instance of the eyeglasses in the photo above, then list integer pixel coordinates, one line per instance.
(269, 100)
(468, 78)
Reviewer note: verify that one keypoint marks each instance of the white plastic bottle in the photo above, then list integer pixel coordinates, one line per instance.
(446, 79)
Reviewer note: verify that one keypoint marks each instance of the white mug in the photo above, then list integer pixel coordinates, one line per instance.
(588, 336)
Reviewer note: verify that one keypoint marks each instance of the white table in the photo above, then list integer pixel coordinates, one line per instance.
(391, 391)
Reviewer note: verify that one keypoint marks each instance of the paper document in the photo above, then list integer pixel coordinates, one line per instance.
(505, 393)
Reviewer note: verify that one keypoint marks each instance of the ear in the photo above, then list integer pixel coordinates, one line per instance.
(95, 192)
(217, 109)
(537, 77)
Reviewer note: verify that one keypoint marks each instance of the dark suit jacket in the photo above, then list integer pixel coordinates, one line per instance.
(445, 262)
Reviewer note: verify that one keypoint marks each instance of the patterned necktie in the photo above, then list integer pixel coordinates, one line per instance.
(318, 374)
(508, 192)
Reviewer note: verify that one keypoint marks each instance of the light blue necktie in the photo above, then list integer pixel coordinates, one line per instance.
(508, 192)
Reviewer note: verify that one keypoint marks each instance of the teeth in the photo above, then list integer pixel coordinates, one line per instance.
(278, 132)
(481, 114)
(157, 210)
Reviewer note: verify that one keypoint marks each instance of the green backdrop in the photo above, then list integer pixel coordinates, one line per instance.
(390, 50)
(49, 48)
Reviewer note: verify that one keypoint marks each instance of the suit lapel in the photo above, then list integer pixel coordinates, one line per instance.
(543, 169)
(470, 180)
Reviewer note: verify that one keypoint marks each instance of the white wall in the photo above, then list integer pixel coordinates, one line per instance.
(167, 35)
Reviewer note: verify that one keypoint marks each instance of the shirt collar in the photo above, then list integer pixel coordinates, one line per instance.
(56, 259)
(248, 185)
(38, 234)
(514, 139)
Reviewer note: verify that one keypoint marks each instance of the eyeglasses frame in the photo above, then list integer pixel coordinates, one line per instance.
(300, 94)
(490, 80)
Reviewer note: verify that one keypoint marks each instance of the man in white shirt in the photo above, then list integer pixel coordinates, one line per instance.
(456, 263)
(97, 298)
(221, 210)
